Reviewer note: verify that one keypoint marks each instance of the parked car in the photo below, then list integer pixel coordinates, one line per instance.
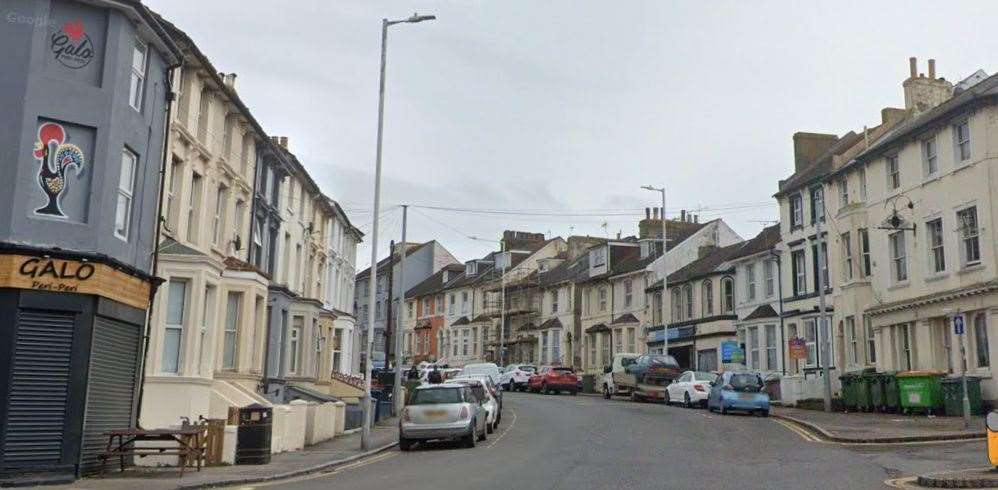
(552, 379)
(443, 411)
(445, 374)
(492, 387)
(489, 368)
(648, 376)
(738, 390)
(482, 391)
(691, 388)
(616, 368)
(516, 377)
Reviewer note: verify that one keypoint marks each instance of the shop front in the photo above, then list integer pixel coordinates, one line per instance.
(71, 327)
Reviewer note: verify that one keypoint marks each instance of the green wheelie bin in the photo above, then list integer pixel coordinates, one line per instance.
(892, 396)
(848, 381)
(920, 391)
(877, 392)
(953, 396)
(864, 385)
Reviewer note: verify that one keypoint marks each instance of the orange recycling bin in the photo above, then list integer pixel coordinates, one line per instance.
(992, 422)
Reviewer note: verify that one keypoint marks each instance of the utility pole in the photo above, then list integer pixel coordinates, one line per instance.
(665, 273)
(826, 347)
(390, 304)
(502, 304)
(397, 390)
(365, 433)
(960, 325)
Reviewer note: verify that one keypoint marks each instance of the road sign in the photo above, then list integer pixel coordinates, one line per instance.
(958, 324)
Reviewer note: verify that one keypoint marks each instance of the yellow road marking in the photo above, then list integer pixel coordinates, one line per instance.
(508, 427)
(797, 430)
(335, 471)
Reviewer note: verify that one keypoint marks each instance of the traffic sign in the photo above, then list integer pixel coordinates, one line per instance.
(958, 324)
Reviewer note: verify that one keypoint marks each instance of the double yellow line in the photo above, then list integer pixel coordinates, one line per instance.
(807, 436)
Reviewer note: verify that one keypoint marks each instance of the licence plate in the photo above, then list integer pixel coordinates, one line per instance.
(746, 396)
(435, 414)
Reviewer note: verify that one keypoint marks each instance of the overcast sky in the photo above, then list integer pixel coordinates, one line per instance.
(569, 106)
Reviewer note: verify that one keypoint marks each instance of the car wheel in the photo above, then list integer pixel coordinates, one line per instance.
(635, 397)
(606, 392)
(471, 438)
(489, 428)
(484, 433)
(686, 400)
(574, 393)
(764, 413)
(724, 411)
(404, 444)
(544, 389)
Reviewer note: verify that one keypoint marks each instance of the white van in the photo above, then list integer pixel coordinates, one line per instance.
(616, 369)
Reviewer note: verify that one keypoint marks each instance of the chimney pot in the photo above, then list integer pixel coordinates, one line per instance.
(913, 66)
(655, 212)
(696, 218)
(932, 68)
(647, 213)
(682, 215)
(284, 142)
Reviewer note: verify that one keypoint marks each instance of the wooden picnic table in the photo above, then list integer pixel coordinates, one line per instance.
(189, 445)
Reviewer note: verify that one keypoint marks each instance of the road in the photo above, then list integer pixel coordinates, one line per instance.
(582, 442)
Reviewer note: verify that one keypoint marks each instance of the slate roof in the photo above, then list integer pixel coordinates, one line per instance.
(434, 283)
(393, 258)
(712, 261)
(625, 318)
(599, 327)
(821, 166)
(568, 271)
(550, 323)
(173, 247)
(461, 321)
(764, 311)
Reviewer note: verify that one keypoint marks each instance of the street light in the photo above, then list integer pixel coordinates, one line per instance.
(365, 434)
(665, 272)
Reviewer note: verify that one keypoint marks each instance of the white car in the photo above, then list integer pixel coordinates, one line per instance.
(489, 368)
(691, 388)
(517, 377)
(482, 392)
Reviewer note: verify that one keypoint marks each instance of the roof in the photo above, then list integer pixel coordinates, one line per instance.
(712, 261)
(170, 246)
(568, 271)
(599, 327)
(764, 311)
(550, 323)
(461, 321)
(821, 166)
(394, 258)
(625, 318)
(434, 283)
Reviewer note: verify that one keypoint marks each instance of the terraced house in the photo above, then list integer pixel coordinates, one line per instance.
(424, 315)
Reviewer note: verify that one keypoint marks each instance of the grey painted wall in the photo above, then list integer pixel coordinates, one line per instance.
(86, 92)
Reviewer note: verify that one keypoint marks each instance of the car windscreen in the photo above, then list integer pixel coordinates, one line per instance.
(562, 370)
(746, 382)
(704, 376)
(436, 396)
(667, 360)
(528, 369)
(627, 361)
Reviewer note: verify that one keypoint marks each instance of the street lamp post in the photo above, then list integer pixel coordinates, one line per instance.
(665, 272)
(365, 434)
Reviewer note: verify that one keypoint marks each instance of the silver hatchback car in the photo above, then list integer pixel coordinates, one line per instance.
(443, 411)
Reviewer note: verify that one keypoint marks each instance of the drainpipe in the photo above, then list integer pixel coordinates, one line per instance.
(779, 286)
(159, 225)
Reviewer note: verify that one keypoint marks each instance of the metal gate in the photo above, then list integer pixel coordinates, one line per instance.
(114, 358)
(39, 390)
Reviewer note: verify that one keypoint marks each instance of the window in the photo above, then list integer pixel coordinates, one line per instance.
(218, 221)
(871, 341)
(544, 347)
(822, 263)
(207, 318)
(769, 269)
(969, 234)
(846, 257)
(554, 301)
(796, 211)
(377, 311)
(628, 296)
(193, 205)
(630, 340)
(602, 299)
(799, 272)
(474, 340)
(464, 302)
(229, 341)
(464, 342)
(852, 340)
(771, 362)
(864, 250)
(450, 305)
(750, 281)
(237, 217)
(707, 297)
(893, 173)
(592, 349)
(172, 191)
(817, 205)
(606, 348)
(176, 305)
(618, 340)
(863, 191)
(753, 347)
(230, 122)
(126, 188)
(440, 304)
(203, 107)
(843, 191)
(905, 357)
(811, 341)
(937, 254)
(961, 141)
(792, 334)
(257, 247)
(599, 257)
(981, 340)
(136, 85)
(677, 304)
(294, 343)
(728, 292)
(412, 308)
(899, 261)
(930, 164)
(688, 301)
(555, 346)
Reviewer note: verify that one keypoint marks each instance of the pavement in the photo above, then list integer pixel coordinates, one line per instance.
(341, 450)
(862, 427)
(566, 442)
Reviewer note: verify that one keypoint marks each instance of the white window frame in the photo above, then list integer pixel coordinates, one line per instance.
(800, 280)
(769, 271)
(871, 341)
(892, 165)
(178, 328)
(847, 273)
(218, 221)
(230, 338)
(796, 210)
(970, 237)
(707, 298)
(899, 256)
(602, 299)
(136, 86)
(628, 293)
(866, 261)
(852, 341)
(772, 359)
(750, 281)
(930, 156)
(193, 205)
(753, 347)
(294, 344)
(961, 142)
(864, 191)
(843, 185)
(936, 245)
(126, 191)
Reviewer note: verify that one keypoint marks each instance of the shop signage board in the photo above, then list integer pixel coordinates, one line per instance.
(41, 273)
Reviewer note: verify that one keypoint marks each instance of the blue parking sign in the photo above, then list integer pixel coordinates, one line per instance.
(958, 324)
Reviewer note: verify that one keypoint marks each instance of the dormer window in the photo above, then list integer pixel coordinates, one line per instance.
(598, 257)
(471, 268)
(542, 267)
(502, 260)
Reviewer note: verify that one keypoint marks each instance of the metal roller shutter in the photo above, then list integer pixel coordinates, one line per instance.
(111, 388)
(39, 389)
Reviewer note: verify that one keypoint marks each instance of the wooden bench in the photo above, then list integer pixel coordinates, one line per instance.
(188, 444)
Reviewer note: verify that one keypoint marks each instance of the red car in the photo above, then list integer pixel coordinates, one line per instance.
(552, 379)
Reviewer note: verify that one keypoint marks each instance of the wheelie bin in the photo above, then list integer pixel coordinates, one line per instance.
(864, 382)
(848, 396)
(920, 391)
(953, 396)
(892, 396)
(877, 381)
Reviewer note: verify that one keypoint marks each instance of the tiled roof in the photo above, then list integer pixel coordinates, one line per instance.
(434, 283)
(394, 258)
(567, 271)
(173, 247)
(764, 311)
(625, 318)
(461, 321)
(708, 264)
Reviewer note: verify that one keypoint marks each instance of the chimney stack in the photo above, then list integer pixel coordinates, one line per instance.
(655, 212)
(696, 218)
(932, 68)
(913, 67)
(229, 79)
(682, 215)
(647, 213)
(922, 93)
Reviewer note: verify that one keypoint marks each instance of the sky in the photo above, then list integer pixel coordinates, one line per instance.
(552, 114)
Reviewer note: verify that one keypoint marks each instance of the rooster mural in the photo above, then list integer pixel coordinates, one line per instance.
(55, 156)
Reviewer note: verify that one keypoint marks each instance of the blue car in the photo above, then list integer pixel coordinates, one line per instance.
(738, 390)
